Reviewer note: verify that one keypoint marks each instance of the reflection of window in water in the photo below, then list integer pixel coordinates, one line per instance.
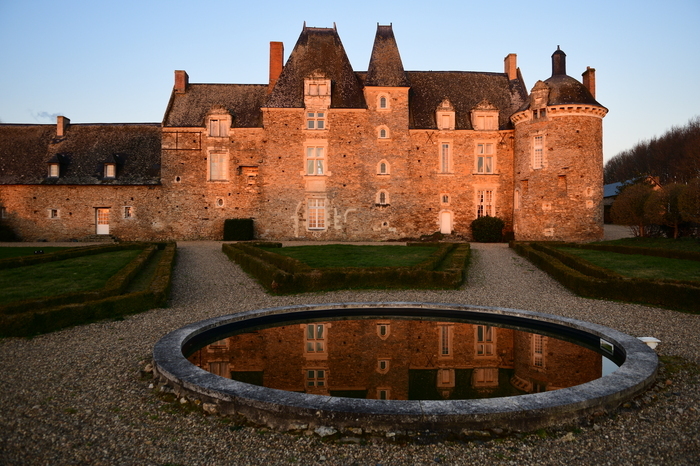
(315, 378)
(383, 330)
(383, 366)
(315, 338)
(219, 368)
(221, 344)
(484, 340)
(445, 340)
(383, 393)
(537, 350)
(485, 377)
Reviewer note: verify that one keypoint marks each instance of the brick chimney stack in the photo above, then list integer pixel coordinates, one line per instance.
(182, 80)
(510, 63)
(276, 63)
(61, 126)
(589, 80)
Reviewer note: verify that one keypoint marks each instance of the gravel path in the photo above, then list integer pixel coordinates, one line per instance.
(77, 397)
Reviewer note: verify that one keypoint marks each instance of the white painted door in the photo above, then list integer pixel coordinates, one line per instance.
(102, 221)
(446, 223)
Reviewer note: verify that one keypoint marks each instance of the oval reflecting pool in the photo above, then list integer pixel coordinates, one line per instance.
(403, 366)
(401, 359)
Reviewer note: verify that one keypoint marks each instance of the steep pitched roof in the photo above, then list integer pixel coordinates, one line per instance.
(243, 102)
(385, 65)
(318, 51)
(465, 90)
(25, 151)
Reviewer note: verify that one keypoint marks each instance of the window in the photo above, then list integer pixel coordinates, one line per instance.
(219, 368)
(445, 157)
(445, 199)
(445, 349)
(484, 203)
(53, 213)
(383, 133)
(315, 161)
(315, 120)
(485, 377)
(383, 393)
(484, 340)
(383, 168)
(53, 170)
(538, 152)
(128, 212)
(315, 338)
(318, 89)
(537, 350)
(218, 127)
(445, 116)
(486, 122)
(383, 330)
(484, 158)
(317, 214)
(315, 378)
(218, 166)
(382, 198)
(383, 102)
(219, 202)
(516, 200)
(110, 170)
(383, 366)
(3, 212)
(446, 378)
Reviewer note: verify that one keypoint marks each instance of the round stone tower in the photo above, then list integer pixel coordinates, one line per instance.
(558, 159)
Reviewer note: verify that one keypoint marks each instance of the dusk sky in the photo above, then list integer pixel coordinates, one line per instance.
(113, 62)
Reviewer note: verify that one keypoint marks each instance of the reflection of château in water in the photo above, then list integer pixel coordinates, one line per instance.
(400, 359)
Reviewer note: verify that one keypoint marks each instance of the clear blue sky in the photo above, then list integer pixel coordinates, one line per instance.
(113, 61)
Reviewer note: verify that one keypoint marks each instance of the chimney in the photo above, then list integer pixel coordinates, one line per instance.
(276, 63)
(589, 80)
(558, 62)
(61, 126)
(181, 82)
(510, 63)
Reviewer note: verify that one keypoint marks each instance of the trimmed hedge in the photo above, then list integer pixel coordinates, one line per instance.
(488, 229)
(39, 318)
(285, 275)
(238, 229)
(590, 281)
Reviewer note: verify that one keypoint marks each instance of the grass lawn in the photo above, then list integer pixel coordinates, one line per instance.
(639, 266)
(348, 255)
(59, 277)
(26, 251)
(682, 244)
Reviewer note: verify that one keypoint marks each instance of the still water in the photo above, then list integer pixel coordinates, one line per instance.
(401, 359)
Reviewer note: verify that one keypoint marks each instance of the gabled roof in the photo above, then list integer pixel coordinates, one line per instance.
(26, 150)
(465, 90)
(243, 102)
(318, 51)
(385, 65)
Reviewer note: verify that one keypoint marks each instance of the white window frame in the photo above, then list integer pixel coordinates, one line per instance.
(485, 202)
(383, 133)
(445, 341)
(110, 170)
(54, 170)
(316, 120)
(387, 168)
(538, 343)
(445, 164)
(485, 158)
(218, 126)
(484, 341)
(315, 160)
(485, 377)
(218, 165)
(316, 214)
(316, 377)
(538, 155)
(382, 197)
(383, 330)
(383, 102)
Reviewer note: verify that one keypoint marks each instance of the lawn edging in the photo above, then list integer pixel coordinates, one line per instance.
(285, 275)
(32, 317)
(588, 280)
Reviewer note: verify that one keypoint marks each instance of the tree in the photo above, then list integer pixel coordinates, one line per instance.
(662, 206)
(689, 202)
(628, 208)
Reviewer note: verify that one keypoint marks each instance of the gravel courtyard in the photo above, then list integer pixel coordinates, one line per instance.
(77, 396)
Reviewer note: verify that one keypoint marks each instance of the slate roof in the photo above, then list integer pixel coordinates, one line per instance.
(465, 90)
(26, 150)
(243, 101)
(385, 65)
(317, 51)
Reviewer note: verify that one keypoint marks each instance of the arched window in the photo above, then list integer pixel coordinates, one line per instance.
(382, 198)
(383, 133)
(382, 102)
(383, 168)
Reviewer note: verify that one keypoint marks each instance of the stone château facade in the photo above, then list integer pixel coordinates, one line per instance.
(323, 152)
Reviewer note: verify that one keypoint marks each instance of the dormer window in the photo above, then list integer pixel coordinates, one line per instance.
(445, 116)
(54, 170)
(218, 122)
(110, 170)
(317, 92)
(485, 117)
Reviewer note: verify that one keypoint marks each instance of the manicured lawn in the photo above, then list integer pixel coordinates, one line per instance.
(639, 266)
(682, 244)
(25, 251)
(64, 276)
(347, 255)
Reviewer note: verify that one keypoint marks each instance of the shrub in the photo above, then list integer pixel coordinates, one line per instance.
(487, 229)
(628, 208)
(238, 229)
(7, 234)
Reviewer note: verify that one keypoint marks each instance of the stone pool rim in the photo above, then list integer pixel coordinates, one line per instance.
(283, 410)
